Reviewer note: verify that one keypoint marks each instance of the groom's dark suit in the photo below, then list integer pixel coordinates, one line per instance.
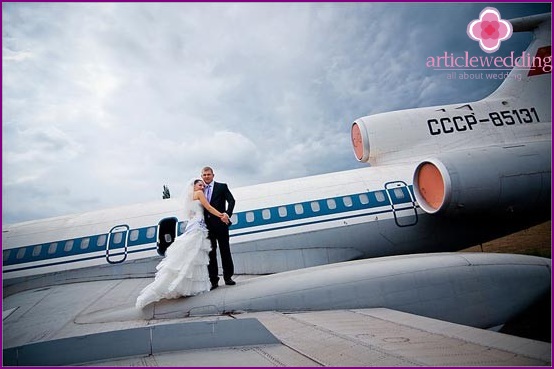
(218, 232)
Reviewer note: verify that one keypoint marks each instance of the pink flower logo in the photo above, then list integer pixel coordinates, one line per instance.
(490, 30)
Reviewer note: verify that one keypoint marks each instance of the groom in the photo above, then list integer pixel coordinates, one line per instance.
(219, 197)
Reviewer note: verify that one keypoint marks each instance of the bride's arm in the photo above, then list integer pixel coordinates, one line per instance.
(199, 195)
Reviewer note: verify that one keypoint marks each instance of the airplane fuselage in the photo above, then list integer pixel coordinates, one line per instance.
(279, 226)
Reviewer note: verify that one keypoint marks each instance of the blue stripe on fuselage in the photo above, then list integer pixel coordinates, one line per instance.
(243, 221)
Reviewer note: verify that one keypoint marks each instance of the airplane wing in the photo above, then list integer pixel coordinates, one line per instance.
(397, 311)
(338, 338)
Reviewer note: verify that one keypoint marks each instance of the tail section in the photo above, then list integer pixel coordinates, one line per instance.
(530, 81)
(518, 112)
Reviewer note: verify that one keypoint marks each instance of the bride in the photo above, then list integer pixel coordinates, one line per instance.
(184, 270)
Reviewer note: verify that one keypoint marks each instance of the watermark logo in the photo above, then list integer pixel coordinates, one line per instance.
(490, 30)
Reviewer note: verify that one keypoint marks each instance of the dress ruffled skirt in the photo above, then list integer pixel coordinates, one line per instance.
(183, 271)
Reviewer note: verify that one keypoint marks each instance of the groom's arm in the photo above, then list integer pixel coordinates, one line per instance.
(230, 201)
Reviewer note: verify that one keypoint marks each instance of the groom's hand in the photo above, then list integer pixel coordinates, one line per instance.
(225, 218)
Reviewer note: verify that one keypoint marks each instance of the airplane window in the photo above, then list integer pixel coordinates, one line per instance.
(101, 241)
(282, 211)
(249, 217)
(298, 209)
(347, 201)
(133, 236)
(182, 226)
(315, 206)
(266, 214)
(118, 237)
(331, 204)
(364, 199)
(151, 232)
(20, 253)
(68, 246)
(83, 245)
(6, 255)
(380, 196)
(398, 193)
(234, 218)
(36, 250)
(52, 248)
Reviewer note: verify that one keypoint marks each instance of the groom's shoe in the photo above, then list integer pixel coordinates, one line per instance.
(230, 282)
(214, 286)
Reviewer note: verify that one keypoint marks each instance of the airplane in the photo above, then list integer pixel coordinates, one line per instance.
(440, 179)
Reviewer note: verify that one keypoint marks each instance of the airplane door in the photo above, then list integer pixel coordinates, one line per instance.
(167, 231)
(116, 246)
(402, 203)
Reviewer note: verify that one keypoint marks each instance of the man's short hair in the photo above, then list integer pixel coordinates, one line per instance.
(207, 169)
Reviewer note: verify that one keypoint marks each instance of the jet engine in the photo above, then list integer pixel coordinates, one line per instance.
(407, 135)
(487, 180)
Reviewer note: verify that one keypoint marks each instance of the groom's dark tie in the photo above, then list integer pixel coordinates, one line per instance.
(208, 192)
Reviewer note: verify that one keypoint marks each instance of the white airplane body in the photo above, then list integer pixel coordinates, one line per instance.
(441, 179)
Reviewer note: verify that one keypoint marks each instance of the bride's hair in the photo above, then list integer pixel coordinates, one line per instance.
(187, 197)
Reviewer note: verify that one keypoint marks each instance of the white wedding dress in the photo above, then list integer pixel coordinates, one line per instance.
(184, 269)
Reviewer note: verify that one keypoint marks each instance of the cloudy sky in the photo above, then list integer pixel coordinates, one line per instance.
(104, 103)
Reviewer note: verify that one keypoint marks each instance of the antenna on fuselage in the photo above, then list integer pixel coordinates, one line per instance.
(166, 194)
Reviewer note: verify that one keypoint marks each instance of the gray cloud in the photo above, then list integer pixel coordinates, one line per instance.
(103, 103)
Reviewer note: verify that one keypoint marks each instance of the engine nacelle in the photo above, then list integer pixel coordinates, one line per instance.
(486, 180)
(406, 135)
